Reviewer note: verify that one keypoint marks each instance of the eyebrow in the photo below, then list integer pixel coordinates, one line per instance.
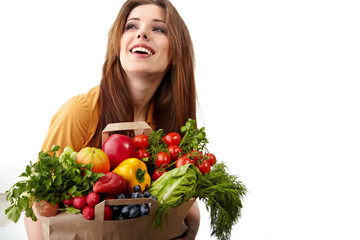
(138, 19)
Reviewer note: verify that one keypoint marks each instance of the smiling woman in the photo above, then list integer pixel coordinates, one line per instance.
(144, 45)
(161, 85)
(144, 51)
(148, 75)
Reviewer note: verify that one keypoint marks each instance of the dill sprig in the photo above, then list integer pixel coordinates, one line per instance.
(222, 194)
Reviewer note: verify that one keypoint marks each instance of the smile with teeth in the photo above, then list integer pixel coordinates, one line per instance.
(141, 50)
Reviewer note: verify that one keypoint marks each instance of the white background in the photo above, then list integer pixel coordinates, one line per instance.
(277, 87)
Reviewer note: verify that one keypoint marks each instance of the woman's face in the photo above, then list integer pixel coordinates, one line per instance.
(144, 46)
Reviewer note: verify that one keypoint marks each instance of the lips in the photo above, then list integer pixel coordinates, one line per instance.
(142, 49)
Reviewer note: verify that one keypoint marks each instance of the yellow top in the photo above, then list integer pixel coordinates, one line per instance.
(76, 121)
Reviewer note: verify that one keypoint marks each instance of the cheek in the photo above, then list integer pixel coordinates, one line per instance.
(166, 50)
(123, 50)
(124, 40)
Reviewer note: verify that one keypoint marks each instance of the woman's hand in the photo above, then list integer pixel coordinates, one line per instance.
(192, 220)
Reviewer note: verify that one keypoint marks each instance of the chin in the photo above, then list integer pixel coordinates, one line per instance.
(144, 72)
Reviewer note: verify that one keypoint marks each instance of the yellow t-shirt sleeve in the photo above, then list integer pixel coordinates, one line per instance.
(70, 125)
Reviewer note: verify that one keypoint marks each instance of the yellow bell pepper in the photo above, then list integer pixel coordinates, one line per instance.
(135, 172)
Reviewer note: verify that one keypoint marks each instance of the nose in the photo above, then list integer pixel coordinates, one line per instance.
(142, 35)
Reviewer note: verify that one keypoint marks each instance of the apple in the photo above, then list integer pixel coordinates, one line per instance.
(118, 147)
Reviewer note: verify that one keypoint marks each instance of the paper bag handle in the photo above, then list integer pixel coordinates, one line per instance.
(112, 127)
(99, 208)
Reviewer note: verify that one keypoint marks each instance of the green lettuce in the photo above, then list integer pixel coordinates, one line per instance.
(174, 188)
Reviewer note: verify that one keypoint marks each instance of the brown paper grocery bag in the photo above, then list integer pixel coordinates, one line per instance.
(112, 127)
(175, 225)
(65, 226)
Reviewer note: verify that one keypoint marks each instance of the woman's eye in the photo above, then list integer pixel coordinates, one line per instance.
(130, 26)
(159, 29)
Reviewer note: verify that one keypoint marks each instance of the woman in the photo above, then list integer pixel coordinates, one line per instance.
(148, 75)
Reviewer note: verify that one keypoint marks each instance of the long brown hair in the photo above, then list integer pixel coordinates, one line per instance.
(175, 99)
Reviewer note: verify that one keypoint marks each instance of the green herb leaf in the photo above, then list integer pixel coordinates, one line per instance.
(193, 139)
(72, 210)
(156, 145)
(51, 180)
(13, 213)
(55, 148)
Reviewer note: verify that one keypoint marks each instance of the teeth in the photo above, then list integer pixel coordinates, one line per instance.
(141, 49)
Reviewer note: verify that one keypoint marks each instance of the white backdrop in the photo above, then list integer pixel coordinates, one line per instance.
(277, 88)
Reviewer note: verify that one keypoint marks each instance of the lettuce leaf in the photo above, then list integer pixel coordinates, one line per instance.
(174, 188)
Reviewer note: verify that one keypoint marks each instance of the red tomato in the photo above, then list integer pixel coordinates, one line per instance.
(204, 167)
(162, 160)
(182, 161)
(174, 150)
(141, 141)
(196, 154)
(172, 138)
(142, 153)
(211, 158)
(157, 174)
(188, 155)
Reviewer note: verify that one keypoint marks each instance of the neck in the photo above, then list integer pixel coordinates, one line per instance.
(142, 89)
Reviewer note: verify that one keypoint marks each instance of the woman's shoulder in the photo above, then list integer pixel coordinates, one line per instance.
(88, 100)
(81, 107)
(75, 122)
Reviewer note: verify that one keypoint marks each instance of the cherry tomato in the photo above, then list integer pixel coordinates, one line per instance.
(157, 174)
(196, 155)
(142, 153)
(141, 141)
(172, 138)
(204, 167)
(182, 161)
(190, 158)
(162, 160)
(210, 158)
(174, 150)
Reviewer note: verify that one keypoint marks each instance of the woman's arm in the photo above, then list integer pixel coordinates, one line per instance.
(192, 220)
(33, 229)
(69, 126)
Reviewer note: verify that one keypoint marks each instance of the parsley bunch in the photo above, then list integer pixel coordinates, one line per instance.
(194, 138)
(52, 179)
